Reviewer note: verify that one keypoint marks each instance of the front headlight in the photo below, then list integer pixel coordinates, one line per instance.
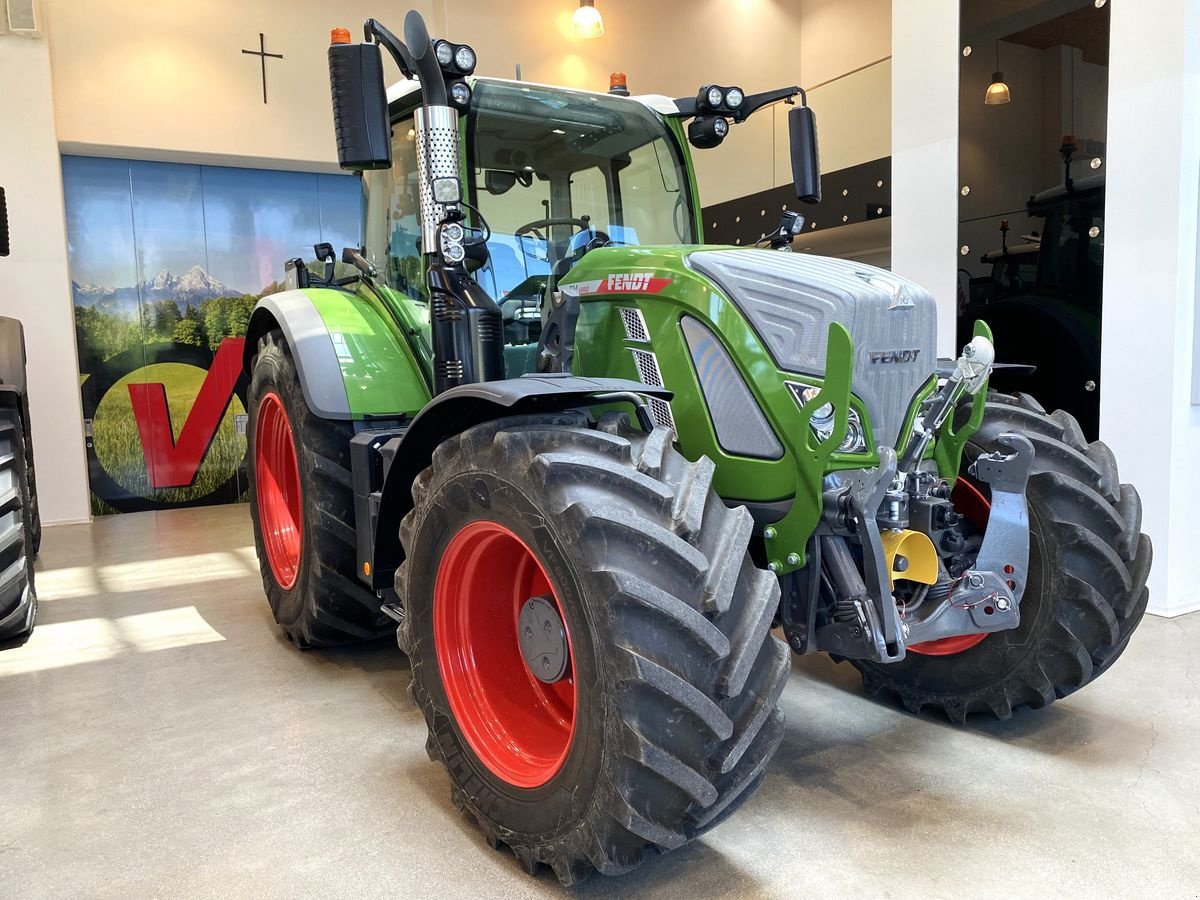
(822, 420)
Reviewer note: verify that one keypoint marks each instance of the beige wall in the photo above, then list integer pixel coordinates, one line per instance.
(168, 81)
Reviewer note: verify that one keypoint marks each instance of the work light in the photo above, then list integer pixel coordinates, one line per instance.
(464, 59)
(460, 94)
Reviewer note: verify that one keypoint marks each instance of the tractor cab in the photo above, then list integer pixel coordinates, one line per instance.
(551, 174)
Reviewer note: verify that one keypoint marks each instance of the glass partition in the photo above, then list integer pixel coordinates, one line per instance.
(1033, 102)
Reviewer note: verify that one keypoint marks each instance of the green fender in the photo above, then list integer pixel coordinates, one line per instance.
(353, 360)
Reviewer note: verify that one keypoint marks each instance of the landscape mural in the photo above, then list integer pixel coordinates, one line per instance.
(167, 262)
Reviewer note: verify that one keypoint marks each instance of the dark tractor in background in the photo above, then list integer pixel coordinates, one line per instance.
(20, 525)
(1042, 301)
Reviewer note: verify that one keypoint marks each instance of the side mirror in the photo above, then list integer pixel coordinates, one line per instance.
(3, 224)
(360, 113)
(806, 162)
(324, 253)
(498, 181)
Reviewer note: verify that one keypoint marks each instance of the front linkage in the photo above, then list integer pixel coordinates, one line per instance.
(891, 563)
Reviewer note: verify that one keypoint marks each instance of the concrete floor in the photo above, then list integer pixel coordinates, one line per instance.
(161, 738)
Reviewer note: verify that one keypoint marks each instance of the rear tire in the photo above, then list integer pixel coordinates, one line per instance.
(18, 596)
(1086, 592)
(675, 677)
(313, 589)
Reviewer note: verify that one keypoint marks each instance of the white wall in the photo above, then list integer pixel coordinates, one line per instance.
(925, 62)
(1150, 284)
(33, 280)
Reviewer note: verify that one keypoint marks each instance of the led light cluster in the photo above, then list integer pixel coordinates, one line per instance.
(822, 420)
(452, 237)
(457, 62)
(455, 59)
(716, 99)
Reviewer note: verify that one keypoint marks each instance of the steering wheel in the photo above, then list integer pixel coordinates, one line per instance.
(537, 224)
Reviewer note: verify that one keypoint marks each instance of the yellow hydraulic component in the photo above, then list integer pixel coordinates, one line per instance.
(920, 560)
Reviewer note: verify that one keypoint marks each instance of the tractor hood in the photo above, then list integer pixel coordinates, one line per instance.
(792, 298)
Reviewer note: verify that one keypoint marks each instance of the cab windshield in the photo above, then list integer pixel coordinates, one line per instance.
(557, 173)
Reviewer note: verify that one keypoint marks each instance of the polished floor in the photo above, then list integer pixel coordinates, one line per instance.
(159, 737)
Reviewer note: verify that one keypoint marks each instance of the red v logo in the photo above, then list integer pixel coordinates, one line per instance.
(174, 463)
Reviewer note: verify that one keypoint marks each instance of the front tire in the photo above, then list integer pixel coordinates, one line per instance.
(1086, 592)
(302, 506)
(665, 714)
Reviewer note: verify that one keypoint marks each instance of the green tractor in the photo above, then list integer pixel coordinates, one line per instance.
(587, 466)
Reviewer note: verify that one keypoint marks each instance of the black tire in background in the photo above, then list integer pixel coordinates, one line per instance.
(18, 598)
(35, 514)
(326, 604)
(677, 675)
(1086, 591)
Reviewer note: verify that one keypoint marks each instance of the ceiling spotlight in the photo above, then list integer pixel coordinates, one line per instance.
(587, 22)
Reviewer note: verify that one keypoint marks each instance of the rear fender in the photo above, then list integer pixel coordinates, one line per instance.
(352, 359)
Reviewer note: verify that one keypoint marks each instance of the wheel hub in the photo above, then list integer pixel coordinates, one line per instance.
(543, 639)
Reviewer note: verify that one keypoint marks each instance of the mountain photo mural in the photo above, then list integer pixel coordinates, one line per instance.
(167, 263)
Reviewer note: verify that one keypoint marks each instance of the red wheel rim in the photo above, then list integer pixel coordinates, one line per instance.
(518, 726)
(277, 486)
(971, 503)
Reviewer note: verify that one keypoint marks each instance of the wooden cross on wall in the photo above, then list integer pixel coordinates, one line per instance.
(262, 53)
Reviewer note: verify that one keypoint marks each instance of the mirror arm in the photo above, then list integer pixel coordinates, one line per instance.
(754, 102)
(374, 32)
(686, 106)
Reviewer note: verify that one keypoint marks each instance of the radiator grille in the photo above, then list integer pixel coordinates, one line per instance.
(660, 411)
(650, 374)
(635, 325)
(647, 366)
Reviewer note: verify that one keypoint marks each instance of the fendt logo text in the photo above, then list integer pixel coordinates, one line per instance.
(629, 281)
(893, 356)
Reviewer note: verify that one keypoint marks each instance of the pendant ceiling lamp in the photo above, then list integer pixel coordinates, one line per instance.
(997, 91)
(587, 21)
